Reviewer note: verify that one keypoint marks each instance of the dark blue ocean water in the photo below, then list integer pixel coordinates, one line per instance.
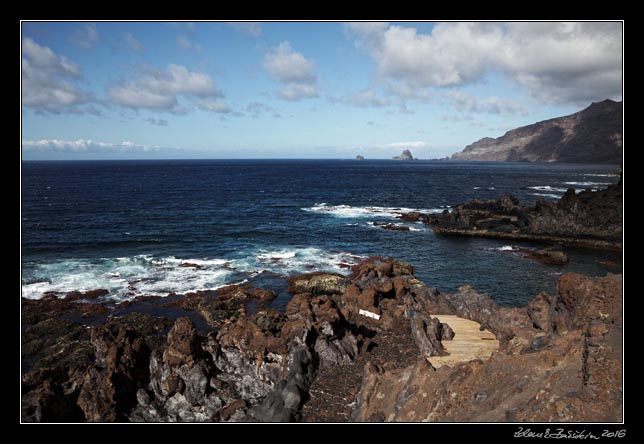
(128, 225)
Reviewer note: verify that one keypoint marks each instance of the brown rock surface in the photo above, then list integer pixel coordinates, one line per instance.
(108, 390)
(557, 359)
(550, 255)
(575, 375)
(318, 282)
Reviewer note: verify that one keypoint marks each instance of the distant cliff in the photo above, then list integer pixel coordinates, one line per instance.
(405, 155)
(593, 135)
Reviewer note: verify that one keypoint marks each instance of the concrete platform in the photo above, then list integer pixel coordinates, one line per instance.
(469, 342)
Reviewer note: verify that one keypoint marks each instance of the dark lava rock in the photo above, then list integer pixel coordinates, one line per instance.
(412, 216)
(285, 401)
(394, 227)
(182, 380)
(190, 265)
(590, 219)
(264, 366)
(109, 388)
(427, 333)
(264, 295)
(87, 295)
(530, 380)
(72, 373)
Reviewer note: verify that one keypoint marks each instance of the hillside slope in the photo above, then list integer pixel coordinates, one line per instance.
(593, 135)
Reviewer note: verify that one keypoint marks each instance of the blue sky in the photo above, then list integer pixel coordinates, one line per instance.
(114, 90)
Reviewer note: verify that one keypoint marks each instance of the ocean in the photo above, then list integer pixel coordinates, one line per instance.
(127, 226)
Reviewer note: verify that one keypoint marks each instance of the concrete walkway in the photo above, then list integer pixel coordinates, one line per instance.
(469, 342)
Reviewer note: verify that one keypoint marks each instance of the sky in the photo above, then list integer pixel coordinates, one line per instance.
(159, 90)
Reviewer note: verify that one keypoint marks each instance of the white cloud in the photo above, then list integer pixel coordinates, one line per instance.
(252, 29)
(213, 105)
(44, 58)
(489, 105)
(407, 145)
(47, 79)
(287, 65)
(291, 68)
(132, 96)
(159, 90)
(84, 145)
(297, 91)
(85, 37)
(367, 98)
(132, 43)
(369, 33)
(555, 62)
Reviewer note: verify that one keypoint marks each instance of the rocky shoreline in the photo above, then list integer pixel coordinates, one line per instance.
(588, 219)
(356, 348)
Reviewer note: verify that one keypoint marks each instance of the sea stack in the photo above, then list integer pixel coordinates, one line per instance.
(359, 157)
(405, 155)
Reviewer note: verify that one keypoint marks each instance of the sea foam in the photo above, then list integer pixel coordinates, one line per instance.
(348, 211)
(144, 275)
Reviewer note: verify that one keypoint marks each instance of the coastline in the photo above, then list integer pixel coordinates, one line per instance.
(260, 365)
(346, 348)
(591, 244)
(587, 219)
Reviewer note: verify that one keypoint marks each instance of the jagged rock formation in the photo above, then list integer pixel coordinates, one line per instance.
(593, 135)
(591, 219)
(405, 155)
(559, 358)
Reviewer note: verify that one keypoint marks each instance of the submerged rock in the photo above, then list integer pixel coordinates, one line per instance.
(393, 227)
(551, 256)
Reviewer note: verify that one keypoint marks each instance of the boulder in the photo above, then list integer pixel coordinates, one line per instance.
(550, 255)
(89, 295)
(412, 216)
(317, 283)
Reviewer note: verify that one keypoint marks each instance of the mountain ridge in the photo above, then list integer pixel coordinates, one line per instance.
(592, 135)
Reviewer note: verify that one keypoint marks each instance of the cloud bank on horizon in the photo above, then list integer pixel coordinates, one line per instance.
(246, 89)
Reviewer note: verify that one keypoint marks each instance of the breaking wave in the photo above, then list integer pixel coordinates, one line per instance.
(143, 275)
